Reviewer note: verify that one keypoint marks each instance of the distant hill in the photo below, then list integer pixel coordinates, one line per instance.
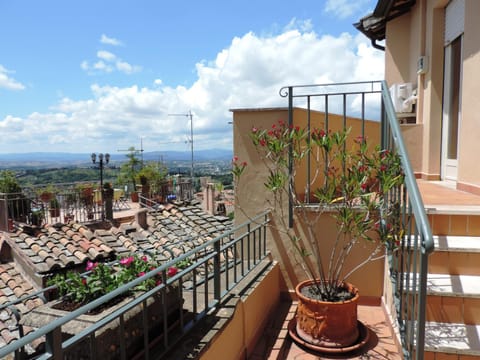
(55, 159)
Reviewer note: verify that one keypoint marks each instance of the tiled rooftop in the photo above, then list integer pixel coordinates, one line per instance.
(172, 231)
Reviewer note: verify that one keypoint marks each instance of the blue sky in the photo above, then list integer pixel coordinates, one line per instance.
(83, 76)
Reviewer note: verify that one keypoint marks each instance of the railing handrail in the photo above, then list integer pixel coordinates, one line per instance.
(410, 180)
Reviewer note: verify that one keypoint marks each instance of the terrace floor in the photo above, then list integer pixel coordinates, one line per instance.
(276, 344)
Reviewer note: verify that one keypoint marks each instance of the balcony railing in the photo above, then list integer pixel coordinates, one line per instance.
(215, 268)
(408, 264)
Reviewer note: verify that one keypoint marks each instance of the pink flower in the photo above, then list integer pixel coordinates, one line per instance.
(254, 130)
(140, 274)
(235, 159)
(90, 266)
(172, 271)
(144, 258)
(126, 261)
(159, 282)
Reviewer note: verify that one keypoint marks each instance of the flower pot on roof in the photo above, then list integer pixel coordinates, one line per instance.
(78, 290)
(54, 207)
(347, 191)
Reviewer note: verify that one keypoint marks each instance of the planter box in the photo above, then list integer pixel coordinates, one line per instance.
(107, 339)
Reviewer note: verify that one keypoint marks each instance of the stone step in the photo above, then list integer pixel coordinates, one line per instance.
(457, 255)
(455, 221)
(460, 340)
(453, 298)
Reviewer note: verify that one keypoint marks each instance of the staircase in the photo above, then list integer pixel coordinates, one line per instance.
(453, 296)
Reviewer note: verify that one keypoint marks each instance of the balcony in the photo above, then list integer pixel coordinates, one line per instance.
(239, 302)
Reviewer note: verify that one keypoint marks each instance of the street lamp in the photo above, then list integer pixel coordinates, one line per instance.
(102, 161)
(101, 164)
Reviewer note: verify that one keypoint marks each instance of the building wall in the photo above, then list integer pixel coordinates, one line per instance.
(469, 171)
(252, 199)
(421, 32)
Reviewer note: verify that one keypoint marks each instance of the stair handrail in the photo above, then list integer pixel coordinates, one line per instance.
(412, 330)
(410, 180)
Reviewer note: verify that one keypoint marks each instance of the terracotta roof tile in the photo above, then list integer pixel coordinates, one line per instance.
(174, 231)
(13, 286)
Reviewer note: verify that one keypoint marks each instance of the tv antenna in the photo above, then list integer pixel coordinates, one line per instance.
(190, 116)
(135, 151)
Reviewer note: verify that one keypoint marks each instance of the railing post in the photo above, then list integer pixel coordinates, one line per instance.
(216, 271)
(53, 343)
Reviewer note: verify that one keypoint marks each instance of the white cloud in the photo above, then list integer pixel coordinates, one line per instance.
(106, 55)
(104, 39)
(107, 63)
(7, 82)
(345, 8)
(247, 73)
(126, 68)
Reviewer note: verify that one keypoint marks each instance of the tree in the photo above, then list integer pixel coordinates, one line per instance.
(8, 182)
(154, 173)
(129, 170)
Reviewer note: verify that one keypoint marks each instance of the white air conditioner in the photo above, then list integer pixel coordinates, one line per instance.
(403, 97)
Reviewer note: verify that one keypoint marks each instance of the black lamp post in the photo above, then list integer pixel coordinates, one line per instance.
(101, 164)
(102, 161)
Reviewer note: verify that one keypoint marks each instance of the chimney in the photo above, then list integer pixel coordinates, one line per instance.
(141, 218)
(209, 198)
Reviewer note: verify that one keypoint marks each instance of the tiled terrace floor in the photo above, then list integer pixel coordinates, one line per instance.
(276, 344)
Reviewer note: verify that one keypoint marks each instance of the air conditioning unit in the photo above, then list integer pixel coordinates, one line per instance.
(403, 97)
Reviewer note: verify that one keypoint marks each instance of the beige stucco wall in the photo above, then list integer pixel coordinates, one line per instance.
(421, 32)
(236, 340)
(468, 169)
(251, 199)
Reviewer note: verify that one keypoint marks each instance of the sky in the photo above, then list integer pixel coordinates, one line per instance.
(102, 76)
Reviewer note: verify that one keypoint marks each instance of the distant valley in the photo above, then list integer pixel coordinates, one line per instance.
(63, 159)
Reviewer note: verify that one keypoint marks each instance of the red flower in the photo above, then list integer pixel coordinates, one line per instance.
(244, 163)
(172, 271)
(91, 266)
(84, 281)
(262, 142)
(364, 186)
(126, 261)
(159, 282)
(235, 159)
(140, 274)
(144, 258)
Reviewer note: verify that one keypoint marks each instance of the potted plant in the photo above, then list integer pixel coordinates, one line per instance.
(129, 171)
(36, 217)
(18, 206)
(76, 290)
(54, 207)
(349, 187)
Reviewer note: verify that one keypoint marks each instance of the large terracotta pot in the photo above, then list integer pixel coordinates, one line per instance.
(327, 324)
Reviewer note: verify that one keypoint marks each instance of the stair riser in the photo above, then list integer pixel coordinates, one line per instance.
(451, 309)
(463, 225)
(455, 263)
(432, 355)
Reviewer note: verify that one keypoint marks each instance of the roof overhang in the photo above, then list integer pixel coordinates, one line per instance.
(374, 24)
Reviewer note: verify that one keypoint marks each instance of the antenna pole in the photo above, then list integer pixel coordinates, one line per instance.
(190, 116)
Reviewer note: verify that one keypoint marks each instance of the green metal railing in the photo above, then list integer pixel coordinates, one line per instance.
(215, 269)
(408, 263)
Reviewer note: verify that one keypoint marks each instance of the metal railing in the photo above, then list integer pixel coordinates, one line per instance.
(213, 270)
(408, 264)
